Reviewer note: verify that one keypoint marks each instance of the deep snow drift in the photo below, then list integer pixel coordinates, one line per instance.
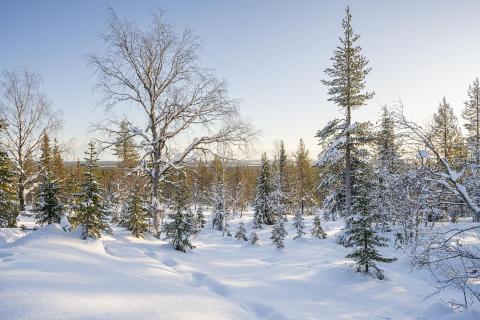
(51, 274)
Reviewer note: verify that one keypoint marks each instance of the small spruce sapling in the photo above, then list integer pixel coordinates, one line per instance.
(241, 233)
(279, 233)
(299, 224)
(317, 230)
(181, 225)
(253, 238)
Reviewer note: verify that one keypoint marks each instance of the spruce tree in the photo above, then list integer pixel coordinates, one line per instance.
(181, 225)
(279, 233)
(253, 238)
(125, 148)
(359, 233)
(447, 136)
(57, 166)
(45, 153)
(263, 207)
(89, 212)
(8, 206)
(299, 224)
(317, 230)
(48, 207)
(199, 219)
(304, 179)
(136, 213)
(387, 166)
(241, 233)
(347, 90)
(219, 198)
(471, 115)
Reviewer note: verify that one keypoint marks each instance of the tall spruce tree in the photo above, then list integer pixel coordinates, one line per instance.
(263, 213)
(90, 213)
(471, 115)
(181, 226)
(347, 90)
(8, 205)
(360, 233)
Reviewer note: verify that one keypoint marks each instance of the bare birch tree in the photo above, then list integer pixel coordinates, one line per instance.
(448, 253)
(185, 107)
(27, 114)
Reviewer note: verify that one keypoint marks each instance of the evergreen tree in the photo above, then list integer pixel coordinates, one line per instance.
(219, 199)
(8, 206)
(471, 115)
(387, 166)
(317, 230)
(304, 179)
(446, 135)
(58, 168)
(359, 232)
(136, 213)
(125, 148)
(263, 207)
(241, 233)
(253, 238)
(181, 225)
(199, 219)
(346, 89)
(90, 212)
(45, 153)
(48, 208)
(298, 223)
(279, 233)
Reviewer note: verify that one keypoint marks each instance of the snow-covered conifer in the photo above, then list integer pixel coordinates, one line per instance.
(48, 207)
(347, 89)
(199, 219)
(253, 238)
(299, 224)
(8, 206)
(263, 207)
(359, 233)
(181, 226)
(90, 213)
(136, 213)
(241, 233)
(317, 230)
(279, 233)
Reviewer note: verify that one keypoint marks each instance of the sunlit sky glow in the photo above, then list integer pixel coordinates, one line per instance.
(272, 53)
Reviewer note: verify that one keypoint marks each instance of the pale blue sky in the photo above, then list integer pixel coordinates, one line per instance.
(272, 53)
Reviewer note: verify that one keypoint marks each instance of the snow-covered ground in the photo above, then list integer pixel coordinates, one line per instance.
(51, 274)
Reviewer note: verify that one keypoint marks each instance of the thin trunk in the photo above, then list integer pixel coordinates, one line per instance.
(348, 183)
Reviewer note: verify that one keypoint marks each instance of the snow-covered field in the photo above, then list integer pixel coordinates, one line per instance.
(51, 274)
